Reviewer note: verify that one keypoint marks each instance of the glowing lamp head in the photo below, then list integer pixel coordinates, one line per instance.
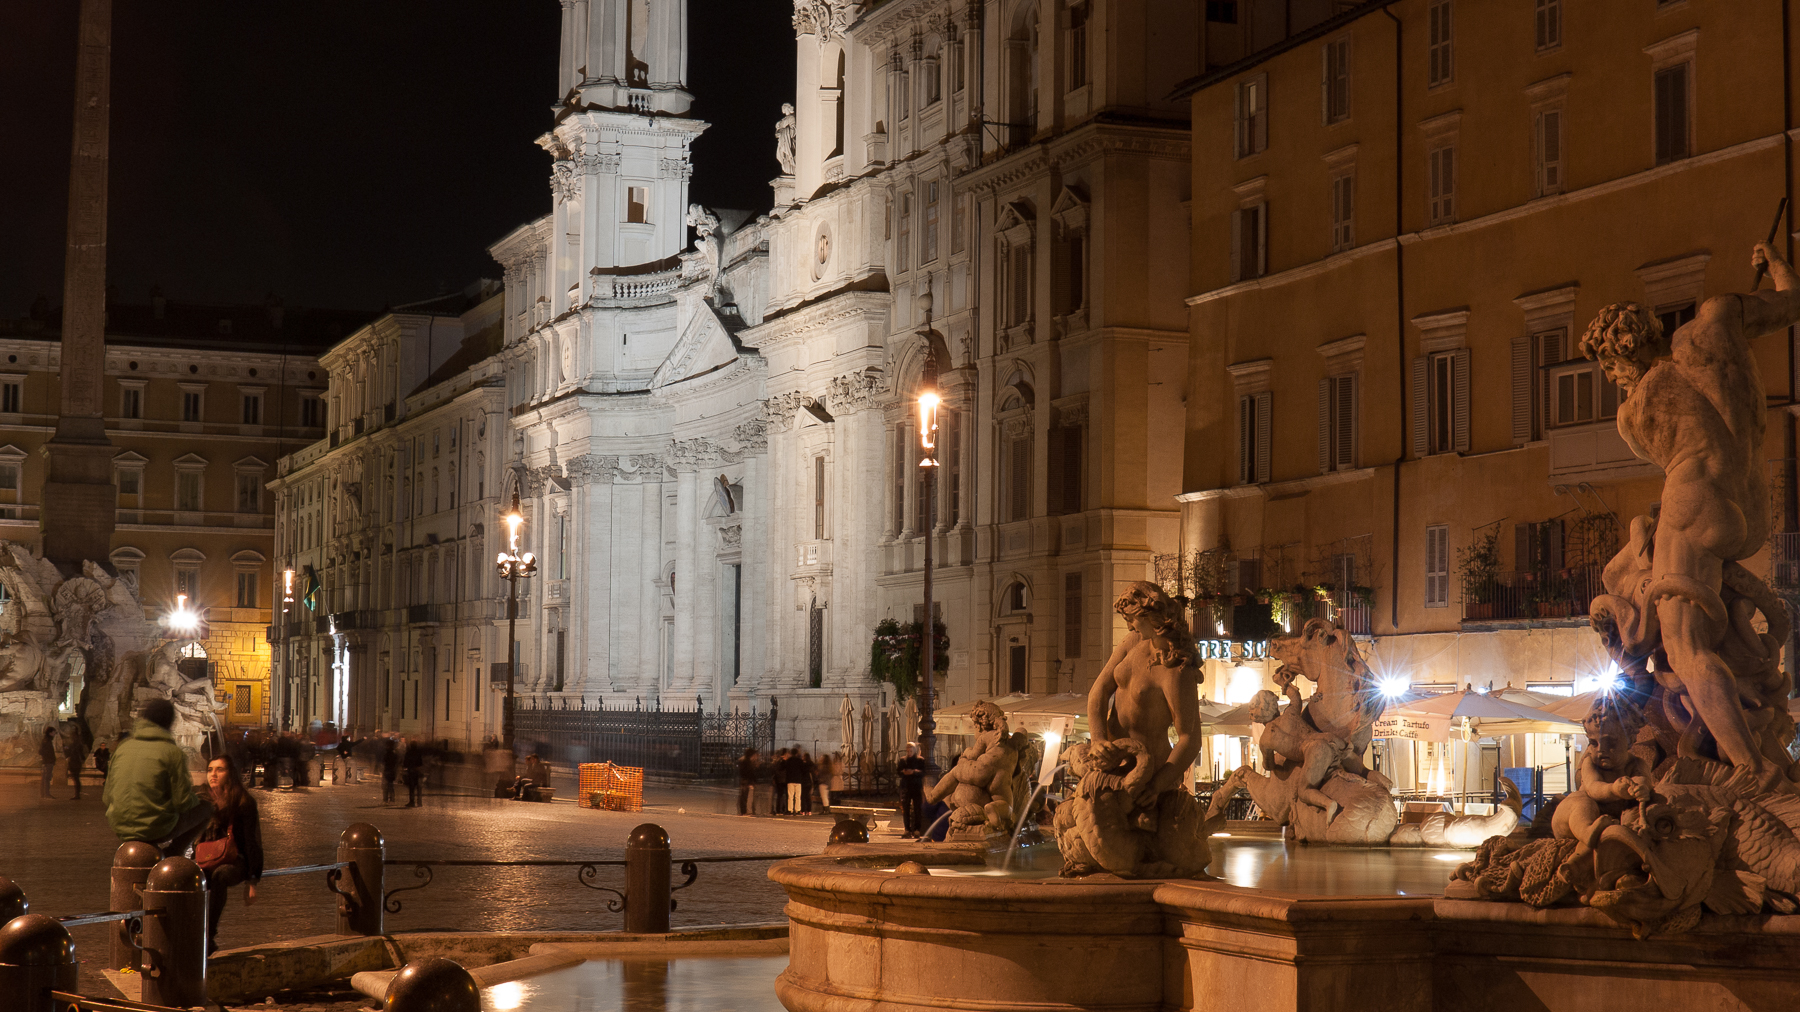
(182, 619)
(1392, 686)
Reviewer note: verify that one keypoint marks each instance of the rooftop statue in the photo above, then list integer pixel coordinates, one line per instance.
(1689, 801)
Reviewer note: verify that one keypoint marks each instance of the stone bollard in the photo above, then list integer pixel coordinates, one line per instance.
(13, 902)
(131, 866)
(175, 934)
(848, 831)
(362, 884)
(432, 984)
(36, 957)
(647, 880)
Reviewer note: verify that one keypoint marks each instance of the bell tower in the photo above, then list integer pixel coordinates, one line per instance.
(625, 54)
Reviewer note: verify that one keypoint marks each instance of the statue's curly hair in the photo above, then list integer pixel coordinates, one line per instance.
(1172, 643)
(1624, 330)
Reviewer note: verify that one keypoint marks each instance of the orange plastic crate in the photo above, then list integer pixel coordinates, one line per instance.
(610, 787)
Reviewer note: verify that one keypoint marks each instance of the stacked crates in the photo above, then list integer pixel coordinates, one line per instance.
(610, 787)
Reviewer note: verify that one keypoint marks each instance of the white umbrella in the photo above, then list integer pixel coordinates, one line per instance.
(1431, 719)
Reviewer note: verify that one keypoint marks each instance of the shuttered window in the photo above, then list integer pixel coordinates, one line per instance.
(1343, 213)
(1549, 24)
(1336, 86)
(1437, 566)
(1337, 423)
(1065, 469)
(1549, 152)
(1252, 128)
(1441, 166)
(1072, 615)
(1249, 242)
(1538, 546)
(1439, 57)
(1671, 97)
(1441, 402)
(1018, 481)
(1253, 437)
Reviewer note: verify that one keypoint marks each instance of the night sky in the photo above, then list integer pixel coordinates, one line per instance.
(339, 153)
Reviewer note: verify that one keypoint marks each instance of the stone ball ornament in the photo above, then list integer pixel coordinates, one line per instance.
(432, 984)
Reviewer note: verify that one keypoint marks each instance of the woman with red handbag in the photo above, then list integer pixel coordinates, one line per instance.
(230, 848)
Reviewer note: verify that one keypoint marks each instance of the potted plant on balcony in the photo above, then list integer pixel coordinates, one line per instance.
(1478, 566)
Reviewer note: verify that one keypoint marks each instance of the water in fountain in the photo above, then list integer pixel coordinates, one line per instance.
(1025, 816)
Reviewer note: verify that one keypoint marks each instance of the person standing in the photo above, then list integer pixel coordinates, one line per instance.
(912, 791)
(346, 758)
(230, 849)
(75, 751)
(809, 779)
(778, 770)
(415, 774)
(827, 780)
(746, 780)
(102, 756)
(47, 753)
(390, 769)
(796, 780)
(149, 793)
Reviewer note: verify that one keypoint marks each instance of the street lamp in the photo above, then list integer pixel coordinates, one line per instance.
(183, 619)
(930, 400)
(513, 567)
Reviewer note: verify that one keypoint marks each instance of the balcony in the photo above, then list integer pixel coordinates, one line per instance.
(1532, 596)
(1784, 563)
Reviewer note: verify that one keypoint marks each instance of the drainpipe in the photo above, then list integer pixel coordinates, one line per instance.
(1792, 435)
(1399, 313)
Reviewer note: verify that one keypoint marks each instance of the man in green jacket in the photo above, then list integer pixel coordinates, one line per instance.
(149, 792)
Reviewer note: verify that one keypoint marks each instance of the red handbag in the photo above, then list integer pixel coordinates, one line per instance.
(210, 854)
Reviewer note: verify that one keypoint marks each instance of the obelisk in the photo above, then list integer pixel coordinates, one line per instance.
(80, 500)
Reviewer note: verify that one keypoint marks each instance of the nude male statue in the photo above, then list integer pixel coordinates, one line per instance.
(1693, 403)
(1150, 683)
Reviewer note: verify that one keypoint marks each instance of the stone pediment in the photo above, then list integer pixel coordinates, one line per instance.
(705, 345)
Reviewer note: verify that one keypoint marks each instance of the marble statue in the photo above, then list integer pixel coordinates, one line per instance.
(784, 139)
(1131, 813)
(1689, 802)
(1312, 749)
(984, 787)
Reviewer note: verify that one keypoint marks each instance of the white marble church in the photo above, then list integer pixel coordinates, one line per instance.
(710, 411)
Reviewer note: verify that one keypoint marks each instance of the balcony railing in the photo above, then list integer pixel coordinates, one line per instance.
(1784, 562)
(1521, 596)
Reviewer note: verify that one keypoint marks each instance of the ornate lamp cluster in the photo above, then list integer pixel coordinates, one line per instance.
(513, 566)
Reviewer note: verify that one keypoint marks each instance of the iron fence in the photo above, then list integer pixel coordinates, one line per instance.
(1517, 596)
(674, 740)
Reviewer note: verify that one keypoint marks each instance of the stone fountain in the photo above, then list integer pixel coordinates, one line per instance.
(1672, 879)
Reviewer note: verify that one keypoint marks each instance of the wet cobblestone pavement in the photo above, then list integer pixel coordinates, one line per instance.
(60, 852)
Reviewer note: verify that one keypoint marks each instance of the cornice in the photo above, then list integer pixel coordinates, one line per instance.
(831, 310)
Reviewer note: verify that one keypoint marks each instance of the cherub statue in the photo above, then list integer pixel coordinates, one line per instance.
(980, 787)
(1286, 732)
(1612, 778)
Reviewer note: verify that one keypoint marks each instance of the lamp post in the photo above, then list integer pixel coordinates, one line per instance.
(513, 567)
(929, 402)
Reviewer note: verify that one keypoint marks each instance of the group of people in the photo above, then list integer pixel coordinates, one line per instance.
(797, 779)
(74, 754)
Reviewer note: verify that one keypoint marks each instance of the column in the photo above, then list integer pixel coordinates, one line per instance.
(686, 583)
(592, 531)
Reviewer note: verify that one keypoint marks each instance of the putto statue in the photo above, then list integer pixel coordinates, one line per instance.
(985, 786)
(1132, 814)
(1689, 801)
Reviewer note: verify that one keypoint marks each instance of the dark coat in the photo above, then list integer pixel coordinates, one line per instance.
(246, 835)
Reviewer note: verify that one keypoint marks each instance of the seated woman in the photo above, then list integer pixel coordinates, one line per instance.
(230, 849)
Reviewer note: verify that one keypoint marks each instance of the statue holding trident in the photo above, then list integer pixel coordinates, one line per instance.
(1679, 609)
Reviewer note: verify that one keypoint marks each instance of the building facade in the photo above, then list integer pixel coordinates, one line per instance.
(202, 400)
(1417, 210)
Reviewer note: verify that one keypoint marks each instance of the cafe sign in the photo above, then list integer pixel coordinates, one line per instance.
(1232, 650)
(1417, 726)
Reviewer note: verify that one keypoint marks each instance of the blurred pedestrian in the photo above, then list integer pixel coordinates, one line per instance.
(230, 849)
(346, 757)
(149, 793)
(102, 756)
(746, 780)
(778, 771)
(809, 779)
(75, 751)
(795, 768)
(47, 753)
(390, 768)
(828, 774)
(912, 791)
(414, 763)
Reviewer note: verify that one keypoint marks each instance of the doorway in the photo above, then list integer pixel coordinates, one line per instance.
(1016, 668)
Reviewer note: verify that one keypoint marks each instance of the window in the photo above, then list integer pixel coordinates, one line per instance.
(1578, 393)
(1254, 417)
(1442, 165)
(899, 474)
(246, 589)
(190, 405)
(1015, 281)
(1672, 317)
(131, 402)
(562, 547)
(637, 203)
(12, 395)
(9, 477)
(1065, 469)
(1672, 126)
(1437, 566)
(1438, 44)
(1018, 478)
(187, 491)
(187, 581)
(1337, 80)
(1252, 115)
(1441, 400)
(1222, 12)
(950, 461)
(934, 81)
(905, 94)
(1343, 212)
(1071, 615)
(1549, 25)
(129, 480)
(249, 493)
(252, 409)
(1337, 423)
(1549, 152)
(930, 252)
(562, 650)
(903, 257)
(818, 498)
(1249, 235)
(1078, 46)
(1074, 285)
